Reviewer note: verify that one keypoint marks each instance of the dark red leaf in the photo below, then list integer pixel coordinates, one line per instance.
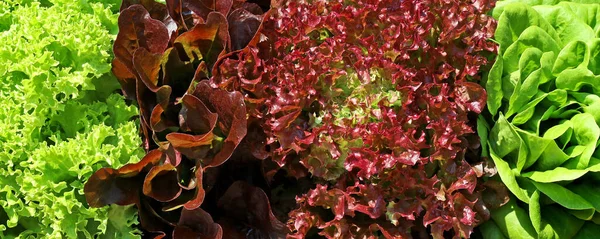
(200, 193)
(147, 67)
(471, 96)
(204, 7)
(176, 71)
(195, 116)
(197, 223)
(206, 41)
(243, 25)
(161, 120)
(156, 10)
(245, 204)
(231, 109)
(126, 78)
(122, 187)
(137, 29)
(161, 183)
(192, 146)
(495, 194)
(175, 8)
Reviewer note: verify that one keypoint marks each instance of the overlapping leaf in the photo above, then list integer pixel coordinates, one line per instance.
(543, 96)
(163, 58)
(372, 99)
(366, 112)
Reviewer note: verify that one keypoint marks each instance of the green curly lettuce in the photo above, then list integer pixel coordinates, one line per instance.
(544, 102)
(60, 119)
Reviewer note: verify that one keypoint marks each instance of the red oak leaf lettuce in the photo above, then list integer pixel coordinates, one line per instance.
(377, 101)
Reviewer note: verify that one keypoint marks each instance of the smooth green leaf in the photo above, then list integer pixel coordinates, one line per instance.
(545, 106)
(503, 138)
(533, 36)
(594, 64)
(567, 25)
(513, 221)
(564, 224)
(575, 79)
(563, 196)
(493, 86)
(588, 231)
(482, 131)
(555, 175)
(589, 192)
(585, 215)
(586, 133)
(536, 145)
(508, 177)
(490, 230)
(543, 229)
(514, 19)
(571, 56)
(529, 79)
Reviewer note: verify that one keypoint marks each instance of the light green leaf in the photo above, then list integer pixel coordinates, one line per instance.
(555, 175)
(527, 112)
(571, 56)
(563, 196)
(558, 130)
(508, 177)
(60, 118)
(575, 79)
(594, 46)
(532, 37)
(536, 145)
(493, 87)
(503, 138)
(514, 19)
(543, 229)
(586, 133)
(567, 25)
(513, 221)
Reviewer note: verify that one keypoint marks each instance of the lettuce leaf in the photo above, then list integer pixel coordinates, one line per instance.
(60, 119)
(543, 101)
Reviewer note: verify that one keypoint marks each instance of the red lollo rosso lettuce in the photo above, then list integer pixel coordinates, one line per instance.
(376, 101)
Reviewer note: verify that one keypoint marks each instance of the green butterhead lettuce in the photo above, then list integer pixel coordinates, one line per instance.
(543, 99)
(60, 119)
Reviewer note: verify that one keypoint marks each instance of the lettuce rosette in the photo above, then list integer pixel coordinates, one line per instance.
(61, 119)
(543, 100)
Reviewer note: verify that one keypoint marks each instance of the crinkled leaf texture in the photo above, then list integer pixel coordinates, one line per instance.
(543, 96)
(374, 101)
(60, 120)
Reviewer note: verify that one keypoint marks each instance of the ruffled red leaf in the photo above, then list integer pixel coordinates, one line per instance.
(197, 223)
(161, 183)
(247, 205)
(200, 193)
(122, 187)
(206, 41)
(192, 146)
(232, 121)
(137, 29)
